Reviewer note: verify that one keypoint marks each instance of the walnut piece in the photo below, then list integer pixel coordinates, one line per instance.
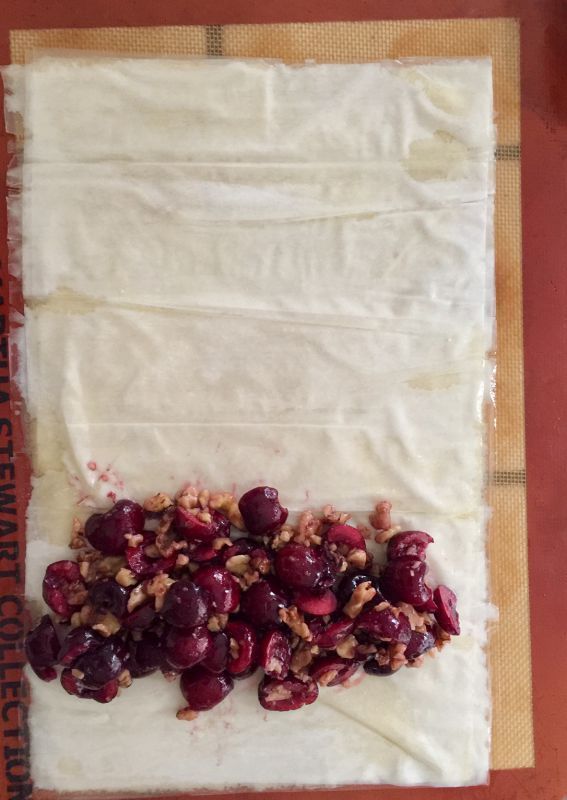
(384, 536)
(346, 648)
(301, 658)
(278, 692)
(233, 648)
(381, 519)
(182, 560)
(134, 539)
(361, 595)
(227, 503)
(217, 622)
(187, 714)
(107, 625)
(357, 558)
(238, 565)
(125, 577)
(326, 678)
(334, 517)
(308, 529)
(158, 587)
(416, 620)
(158, 503)
(282, 537)
(295, 622)
(125, 679)
(220, 542)
(187, 498)
(77, 540)
(204, 497)
(137, 597)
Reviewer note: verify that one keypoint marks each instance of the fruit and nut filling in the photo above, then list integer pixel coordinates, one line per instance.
(212, 589)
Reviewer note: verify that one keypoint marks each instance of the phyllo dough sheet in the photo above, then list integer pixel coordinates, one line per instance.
(239, 273)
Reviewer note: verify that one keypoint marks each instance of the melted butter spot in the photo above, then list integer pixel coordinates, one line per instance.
(437, 158)
(447, 98)
(432, 383)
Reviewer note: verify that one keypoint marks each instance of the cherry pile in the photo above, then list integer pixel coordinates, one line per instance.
(168, 587)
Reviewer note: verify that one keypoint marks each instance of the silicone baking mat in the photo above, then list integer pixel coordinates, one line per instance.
(511, 672)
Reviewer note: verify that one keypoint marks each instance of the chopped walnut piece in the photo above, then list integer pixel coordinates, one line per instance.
(187, 498)
(227, 503)
(397, 657)
(282, 537)
(134, 539)
(381, 518)
(326, 678)
(384, 536)
(125, 577)
(137, 597)
(416, 619)
(108, 566)
(77, 540)
(278, 692)
(220, 542)
(308, 529)
(158, 503)
(125, 679)
(442, 638)
(182, 560)
(108, 625)
(301, 658)
(157, 587)
(361, 595)
(295, 622)
(217, 622)
(204, 497)
(357, 558)
(233, 648)
(205, 517)
(238, 565)
(250, 576)
(187, 714)
(346, 648)
(334, 517)
(77, 673)
(366, 649)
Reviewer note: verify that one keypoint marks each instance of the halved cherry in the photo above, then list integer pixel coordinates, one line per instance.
(76, 687)
(191, 528)
(387, 624)
(333, 670)
(64, 590)
(409, 543)
(243, 649)
(217, 658)
(347, 535)
(287, 695)
(78, 641)
(223, 589)
(333, 633)
(184, 649)
(42, 649)
(262, 511)
(203, 690)
(446, 614)
(317, 603)
(275, 654)
(419, 644)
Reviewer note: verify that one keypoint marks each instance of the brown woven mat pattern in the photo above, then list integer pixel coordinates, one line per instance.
(371, 41)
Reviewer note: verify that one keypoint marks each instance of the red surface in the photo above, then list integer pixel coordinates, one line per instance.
(544, 197)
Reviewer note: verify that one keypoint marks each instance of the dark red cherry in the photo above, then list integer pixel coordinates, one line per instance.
(107, 532)
(446, 614)
(76, 687)
(223, 589)
(100, 665)
(410, 544)
(243, 649)
(78, 642)
(318, 603)
(42, 649)
(261, 603)
(275, 654)
(330, 635)
(404, 580)
(217, 658)
(287, 695)
(384, 625)
(140, 618)
(63, 588)
(186, 605)
(419, 644)
(333, 670)
(203, 690)
(184, 649)
(193, 529)
(261, 511)
(346, 535)
(299, 567)
(107, 597)
(146, 655)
